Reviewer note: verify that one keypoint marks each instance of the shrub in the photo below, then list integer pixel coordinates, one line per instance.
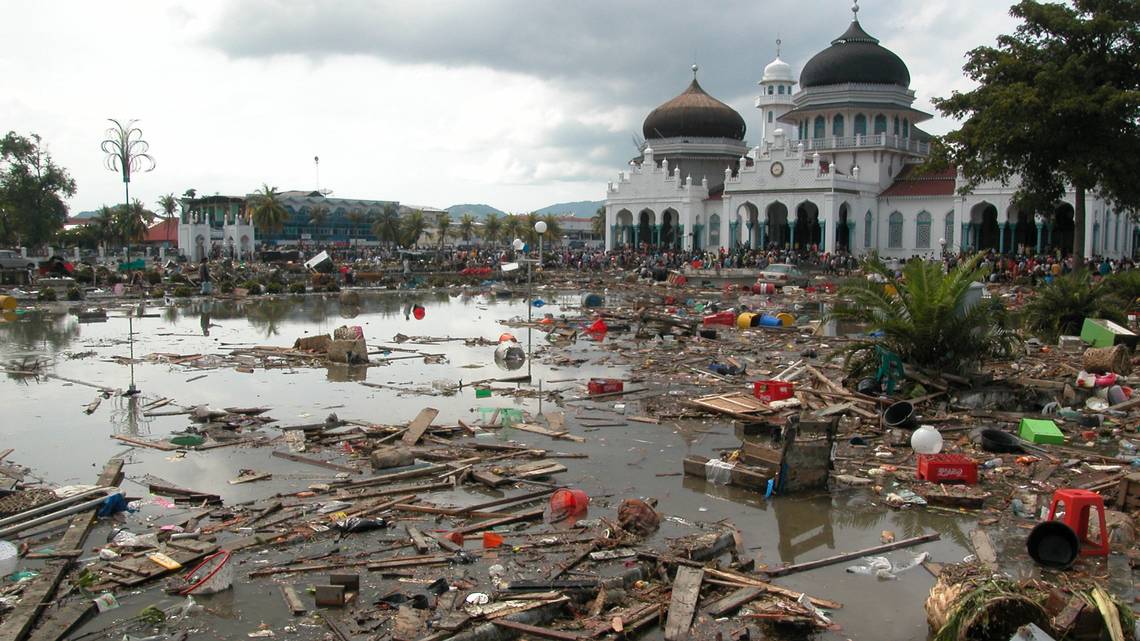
(183, 291)
(252, 286)
(925, 320)
(297, 288)
(225, 286)
(1061, 307)
(74, 293)
(153, 277)
(332, 287)
(156, 292)
(47, 294)
(274, 288)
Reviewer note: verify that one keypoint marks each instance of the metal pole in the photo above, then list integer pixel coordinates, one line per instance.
(131, 330)
(529, 306)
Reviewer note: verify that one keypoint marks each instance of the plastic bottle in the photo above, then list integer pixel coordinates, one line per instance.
(992, 463)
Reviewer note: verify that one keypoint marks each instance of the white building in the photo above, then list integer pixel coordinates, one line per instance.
(835, 167)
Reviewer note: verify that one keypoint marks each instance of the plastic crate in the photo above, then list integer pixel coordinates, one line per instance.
(947, 468)
(769, 391)
(604, 385)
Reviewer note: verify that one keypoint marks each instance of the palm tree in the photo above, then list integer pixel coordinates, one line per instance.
(354, 218)
(443, 226)
(925, 317)
(513, 228)
(266, 210)
(1061, 307)
(530, 235)
(599, 222)
(466, 227)
(318, 214)
(168, 204)
(553, 228)
(190, 193)
(414, 226)
(386, 225)
(131, 223)
(492, 227)
(104, 225)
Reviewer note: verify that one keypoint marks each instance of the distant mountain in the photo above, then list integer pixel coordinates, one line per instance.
(581, 208)
(86, 214)
(477, 211)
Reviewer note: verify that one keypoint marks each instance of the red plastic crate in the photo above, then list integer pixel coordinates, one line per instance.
(769, 391)
(947, 468)
(604, 385)
(721, 318)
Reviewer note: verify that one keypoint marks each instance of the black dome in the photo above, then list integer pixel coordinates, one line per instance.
(855, 57)
(694, 113)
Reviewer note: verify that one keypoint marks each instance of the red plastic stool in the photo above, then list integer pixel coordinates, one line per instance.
(1077, 504)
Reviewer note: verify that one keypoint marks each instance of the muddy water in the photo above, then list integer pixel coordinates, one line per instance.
(45, 423)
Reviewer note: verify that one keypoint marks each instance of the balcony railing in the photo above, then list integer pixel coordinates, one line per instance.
(861, 141)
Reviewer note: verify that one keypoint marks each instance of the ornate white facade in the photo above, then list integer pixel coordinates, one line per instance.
(834, 169)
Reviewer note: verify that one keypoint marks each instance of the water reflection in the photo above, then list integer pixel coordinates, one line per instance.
(128, 418)
(804, 525)
(40, 330)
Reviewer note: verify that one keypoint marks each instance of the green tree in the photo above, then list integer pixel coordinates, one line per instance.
(1061, 307)
(32, 191)
(529, 234)
(190, 193)
(492, 228)
(598, 222)
(386, 224)
(266, 210)
(466, 227)
(131, 223)
(354, 217)
(318, 214)
(553, 229)
(924, 317)
(412, 227)
(514, 227)
(104, 226)
(168, 205)
(443, 226)
(1057, 104)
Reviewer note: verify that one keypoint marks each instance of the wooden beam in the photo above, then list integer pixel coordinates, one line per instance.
(537, 631)
(288, 456)
(686, 590)
(839, 558)
(419, 425)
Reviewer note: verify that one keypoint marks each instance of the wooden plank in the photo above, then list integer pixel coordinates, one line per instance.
(839, 558)
(686, 590)
(293, 600)
(418, 540)
(142, 442)
(42, 588)
(419, 425)
(505, 520)
(984, 548)
(727, 604)
(537, 631)
(58, 622)
(538, 429)
(289, 456)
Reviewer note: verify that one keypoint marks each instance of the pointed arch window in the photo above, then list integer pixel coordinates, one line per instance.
(895, 237)
(948, 234)
(898, 129)
(820, 127)
(922, 231)
(868, 223)
(714, 230)
(880, 124)
(780, 90)
(860, 125)
(837, 125)
(906, 128)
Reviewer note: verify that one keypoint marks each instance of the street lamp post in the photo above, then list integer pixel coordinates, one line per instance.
(942, 244)
(518, 245)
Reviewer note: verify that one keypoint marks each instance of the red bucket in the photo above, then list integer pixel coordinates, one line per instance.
(566, 502)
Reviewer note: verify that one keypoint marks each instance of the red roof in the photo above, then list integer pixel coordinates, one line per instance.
(935, 183)
(163, 232)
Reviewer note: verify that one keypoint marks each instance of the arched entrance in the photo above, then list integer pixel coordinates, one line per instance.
(1022, 233)
(670, 233)
(750, 215)
(1062, 230)
(714, 231)
(984, 233)
(645, 222)
(777, 233)
(842, 231)
(623, 232)
(807, 231)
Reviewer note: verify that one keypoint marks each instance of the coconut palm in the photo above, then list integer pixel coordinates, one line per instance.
(386, 224)
(1060, 307)
(266, 210)
(553, 228)
(413, 226)
(924, 317)
(104, 225)
(131, 223)
(492, 227)
(354, 218)
(168, 205)
(598, 222)
(190, 193)
(513, 227)
(529, 234)
(318, 214)
(443, 226)
(466, 227)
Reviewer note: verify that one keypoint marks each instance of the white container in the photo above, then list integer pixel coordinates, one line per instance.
(9, 558)
(926, 440)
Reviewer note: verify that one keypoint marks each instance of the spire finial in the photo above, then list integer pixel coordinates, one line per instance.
(695, 68)
(778, 43)
(855, 11)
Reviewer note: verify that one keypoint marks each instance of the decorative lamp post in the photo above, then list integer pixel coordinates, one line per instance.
(942, 244)
(518, 245)
(540, 227)
(127, 153)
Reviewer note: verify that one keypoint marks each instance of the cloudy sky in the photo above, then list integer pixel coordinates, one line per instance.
(514, 103)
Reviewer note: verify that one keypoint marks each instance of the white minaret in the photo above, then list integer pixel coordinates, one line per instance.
(775, 97)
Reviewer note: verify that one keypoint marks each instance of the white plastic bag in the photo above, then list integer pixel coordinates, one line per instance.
(718, 472)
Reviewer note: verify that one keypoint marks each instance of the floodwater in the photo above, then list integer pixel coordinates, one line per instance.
(44, 422)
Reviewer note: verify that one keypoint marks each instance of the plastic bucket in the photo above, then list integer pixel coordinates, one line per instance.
(744, 321)
(900, 415)
(786, 319)
(767, 320)
(567, 502)
(7, 303)
(1053, 544)
(999, 442)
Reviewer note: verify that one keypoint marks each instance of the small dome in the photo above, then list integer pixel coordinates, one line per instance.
(778, 71)
(855, 57)
(694, 113)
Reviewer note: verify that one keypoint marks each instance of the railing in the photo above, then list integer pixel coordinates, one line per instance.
(864, 142)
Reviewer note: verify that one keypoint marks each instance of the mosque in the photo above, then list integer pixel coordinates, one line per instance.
(835, 168)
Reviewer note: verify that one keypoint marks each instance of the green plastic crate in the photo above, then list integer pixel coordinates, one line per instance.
(482, 393)
(1104, 333)
(1040, 431)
